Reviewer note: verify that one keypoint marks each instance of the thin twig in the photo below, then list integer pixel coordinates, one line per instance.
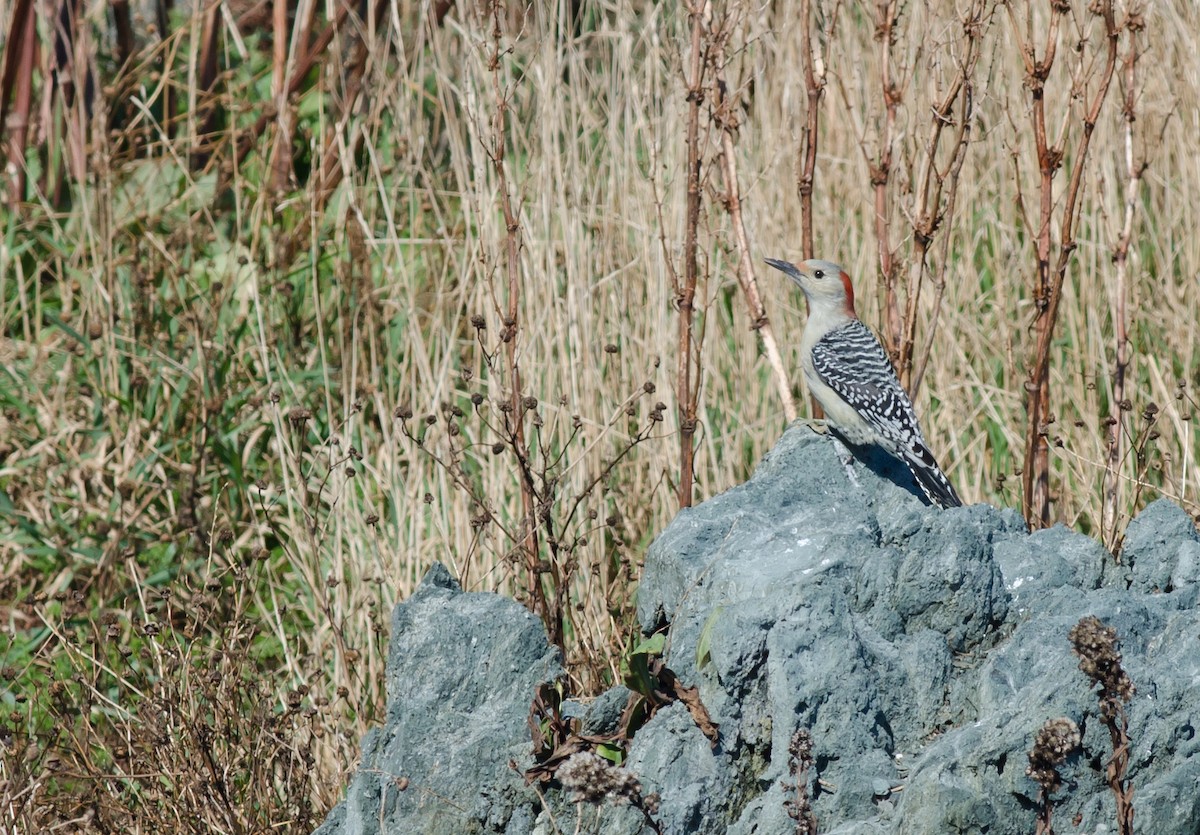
(727, 122)
(515, 416)
(1115, 422)
(1048, 279)
(687, 374)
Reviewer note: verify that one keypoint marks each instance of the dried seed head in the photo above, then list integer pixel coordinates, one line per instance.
(591, 778)
(1100, 660)
(800, 750)
(1054, 742)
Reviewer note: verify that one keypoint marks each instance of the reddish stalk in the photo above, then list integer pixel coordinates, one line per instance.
(887, 13)
(687, 373)
(814, 85)
(937, 192)
(315, 53)
(1116, 422)
(514, 417)
(18, 87)
(209, 106)
(281, 158)
(1049, 277)
(727, 121)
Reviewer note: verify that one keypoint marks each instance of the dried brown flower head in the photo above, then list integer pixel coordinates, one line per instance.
(1054, 742)
(591, 778)
(1100, 660)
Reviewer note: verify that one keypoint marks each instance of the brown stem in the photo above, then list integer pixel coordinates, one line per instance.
(687, 388)
(727, 123)
(281, 158)
(1116, 772)
(931, 212)
(1049, 280)
(329, 175)
(886, 14)
(73, 80)
(209, 103)
(1044, 825)
(18, 86)
(814, 84)
(249, 138)
(551, 616)
(1116, 420)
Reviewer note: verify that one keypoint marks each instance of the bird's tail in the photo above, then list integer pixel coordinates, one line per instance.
(931, 479)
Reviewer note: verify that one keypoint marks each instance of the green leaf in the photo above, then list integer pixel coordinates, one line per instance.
(612, 753)
(652, 645)
(704, 645)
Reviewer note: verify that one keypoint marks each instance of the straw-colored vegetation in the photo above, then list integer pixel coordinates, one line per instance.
(251, 389)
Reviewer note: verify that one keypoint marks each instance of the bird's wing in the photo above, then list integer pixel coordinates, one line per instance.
(851, 361)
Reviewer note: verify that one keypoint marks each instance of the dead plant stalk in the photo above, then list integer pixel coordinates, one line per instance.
(1048, 277)
(814, 85)
(887, 14)
(727, 122)
(687, 375)
(938, 193)
(1115, 422)
(515, 419)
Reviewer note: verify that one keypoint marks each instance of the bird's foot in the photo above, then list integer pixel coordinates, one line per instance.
(818, 425)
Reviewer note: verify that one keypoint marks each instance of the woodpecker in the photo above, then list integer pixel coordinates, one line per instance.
(850, 376)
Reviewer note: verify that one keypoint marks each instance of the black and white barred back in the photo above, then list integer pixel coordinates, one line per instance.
(850, 360)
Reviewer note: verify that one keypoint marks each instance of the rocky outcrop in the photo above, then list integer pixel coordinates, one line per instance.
(462, 668)
(920, 649)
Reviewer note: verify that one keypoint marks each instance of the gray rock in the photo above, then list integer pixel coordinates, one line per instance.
(462, 670)
(1162, 551)
(920, 649)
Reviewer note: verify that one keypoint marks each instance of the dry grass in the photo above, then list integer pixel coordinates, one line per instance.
(180, 405)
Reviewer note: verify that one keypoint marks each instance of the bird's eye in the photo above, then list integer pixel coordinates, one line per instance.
(819, 274)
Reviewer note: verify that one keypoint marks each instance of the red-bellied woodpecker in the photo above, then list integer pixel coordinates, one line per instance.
(850, 376)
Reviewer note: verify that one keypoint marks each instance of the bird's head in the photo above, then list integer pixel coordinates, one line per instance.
(825, 284)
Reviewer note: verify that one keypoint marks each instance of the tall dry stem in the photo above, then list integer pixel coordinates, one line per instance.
(20, 57)
(814, 86)
(514, 417)
(687, 376)
(1091, 84)
(806, 160)
(1115, 422)
(952, 116)
(726, 118)
(887, 14)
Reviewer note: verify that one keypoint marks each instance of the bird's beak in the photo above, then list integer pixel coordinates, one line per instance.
(786, 267)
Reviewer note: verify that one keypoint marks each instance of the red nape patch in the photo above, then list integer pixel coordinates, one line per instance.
(849, 294)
